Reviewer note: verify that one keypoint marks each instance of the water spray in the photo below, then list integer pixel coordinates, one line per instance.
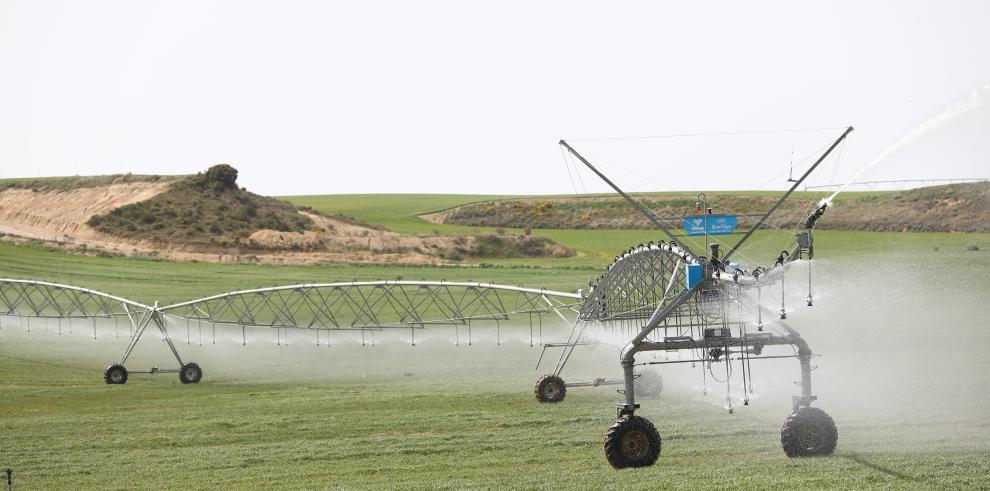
(975, 100)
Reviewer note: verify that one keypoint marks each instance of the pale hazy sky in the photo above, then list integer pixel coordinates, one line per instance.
(472, 97)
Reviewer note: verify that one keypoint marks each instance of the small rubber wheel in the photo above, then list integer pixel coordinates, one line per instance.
(649, 384)
(809, 432)
(632, 442)
(115, 375)
(190, 373)
(550, 389)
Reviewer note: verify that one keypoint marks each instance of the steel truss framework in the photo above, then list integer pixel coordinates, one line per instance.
(645, 293)
(374, 305)
(631, 289)
(719, 321)
(27, 298)
(352, 306)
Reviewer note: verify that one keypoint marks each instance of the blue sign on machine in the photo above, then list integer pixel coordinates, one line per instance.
(693, 274)
(717, 224)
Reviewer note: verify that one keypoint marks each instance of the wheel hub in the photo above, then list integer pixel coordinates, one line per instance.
(551, 390)
(810, 437)
(635, 445)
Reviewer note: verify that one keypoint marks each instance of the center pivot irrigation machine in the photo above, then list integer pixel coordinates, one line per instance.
(664, 295)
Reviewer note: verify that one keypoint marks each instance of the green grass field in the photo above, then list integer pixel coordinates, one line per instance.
(910, 402)
(62, 429)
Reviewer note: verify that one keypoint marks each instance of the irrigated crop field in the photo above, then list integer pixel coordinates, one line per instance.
(904, 372)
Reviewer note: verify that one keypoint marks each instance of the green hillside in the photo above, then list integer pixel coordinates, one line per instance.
(961, 207)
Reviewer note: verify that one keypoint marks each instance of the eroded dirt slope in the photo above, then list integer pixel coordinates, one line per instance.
(60, 215)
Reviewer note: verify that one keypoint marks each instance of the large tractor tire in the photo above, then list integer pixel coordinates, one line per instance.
(190, 373)
(809, 432)
(550, 389)
(632, 442)
(115, 375)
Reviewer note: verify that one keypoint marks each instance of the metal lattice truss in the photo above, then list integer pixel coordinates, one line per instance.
(26, 298)
(374, 305)
(646, 294)
(637, 283)
(648, 291)
(326, 306)
(360, 306)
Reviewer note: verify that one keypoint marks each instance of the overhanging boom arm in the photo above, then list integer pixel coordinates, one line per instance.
(652, 217)
(797, 183)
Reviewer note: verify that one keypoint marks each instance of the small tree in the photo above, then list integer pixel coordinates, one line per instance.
(220, 177)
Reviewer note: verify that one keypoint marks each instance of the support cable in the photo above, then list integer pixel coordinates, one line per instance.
(708, 133)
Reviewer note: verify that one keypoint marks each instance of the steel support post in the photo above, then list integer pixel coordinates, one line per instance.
(138, 329)
(629, 407)
(139, 326)
(160, 322)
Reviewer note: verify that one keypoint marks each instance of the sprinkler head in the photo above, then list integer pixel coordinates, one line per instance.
(809, 301)
(783, 314)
